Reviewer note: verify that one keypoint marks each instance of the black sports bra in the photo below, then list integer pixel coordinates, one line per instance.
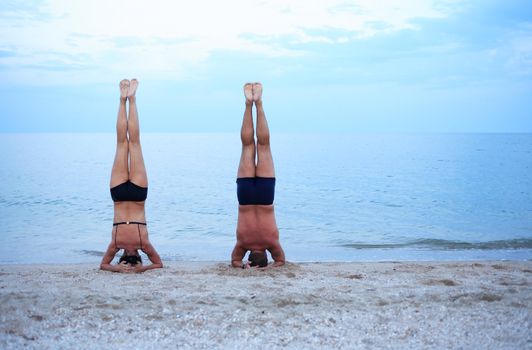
(129, 192)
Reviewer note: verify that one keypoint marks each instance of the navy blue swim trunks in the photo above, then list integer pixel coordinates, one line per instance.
(255, 190)
(128, 191)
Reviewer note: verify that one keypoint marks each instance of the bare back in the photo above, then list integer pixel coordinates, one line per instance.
(129, 211)
(256, 227)
(130, 237)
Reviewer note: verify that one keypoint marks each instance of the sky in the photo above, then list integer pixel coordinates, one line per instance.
(326, 66)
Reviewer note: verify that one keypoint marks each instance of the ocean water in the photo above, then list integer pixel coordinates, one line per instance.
(339, 197)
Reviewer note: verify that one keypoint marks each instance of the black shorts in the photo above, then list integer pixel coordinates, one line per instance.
(129, 192)
(255, 190)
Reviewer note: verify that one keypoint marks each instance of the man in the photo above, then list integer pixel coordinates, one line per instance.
(256, 228)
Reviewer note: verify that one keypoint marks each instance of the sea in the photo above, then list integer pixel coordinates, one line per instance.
(339, 196)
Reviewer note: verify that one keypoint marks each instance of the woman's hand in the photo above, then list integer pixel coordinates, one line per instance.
(138, 268)
(124, 267)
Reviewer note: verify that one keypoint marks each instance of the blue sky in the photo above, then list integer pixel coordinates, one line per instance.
(385, 66)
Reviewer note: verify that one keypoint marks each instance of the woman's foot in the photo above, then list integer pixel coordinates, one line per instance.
(132, 89)
(257, 92)
(124, 87)
(248, 92)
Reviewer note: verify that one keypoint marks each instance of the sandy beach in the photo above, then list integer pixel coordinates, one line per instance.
(420, 305)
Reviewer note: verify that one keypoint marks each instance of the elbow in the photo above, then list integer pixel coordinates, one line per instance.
(158, 265)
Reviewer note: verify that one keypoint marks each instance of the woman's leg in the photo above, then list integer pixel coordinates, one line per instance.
(265, 161)
(119, 174)
(246, 168)
(137, 170)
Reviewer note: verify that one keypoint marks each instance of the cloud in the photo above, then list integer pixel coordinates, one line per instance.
(167, 39)
(520, 47)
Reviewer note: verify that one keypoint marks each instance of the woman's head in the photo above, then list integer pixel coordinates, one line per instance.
(258, 258)
(130, 257)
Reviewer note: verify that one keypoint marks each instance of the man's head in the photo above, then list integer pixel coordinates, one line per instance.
(258, 258)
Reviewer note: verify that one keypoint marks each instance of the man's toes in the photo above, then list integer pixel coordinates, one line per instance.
(248, 91)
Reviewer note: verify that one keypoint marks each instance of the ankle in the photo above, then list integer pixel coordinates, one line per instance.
(132, 99)
(249, 103)
(123, 100)
(258, 103)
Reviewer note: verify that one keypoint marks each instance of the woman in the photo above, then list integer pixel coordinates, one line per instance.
(129, 188)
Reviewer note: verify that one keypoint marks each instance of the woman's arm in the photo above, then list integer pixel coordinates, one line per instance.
(108, 258)
(156, 262)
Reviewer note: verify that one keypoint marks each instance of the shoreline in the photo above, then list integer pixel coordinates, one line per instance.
(168, 263)
(429, 304)
(76, 257)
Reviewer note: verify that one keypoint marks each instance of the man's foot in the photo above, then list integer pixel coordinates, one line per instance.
(248, 92)
(132, 88)
(257, 92)
(124, 87)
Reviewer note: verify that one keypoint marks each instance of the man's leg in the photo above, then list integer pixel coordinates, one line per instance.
(120, 173)
(137, 171)
(246, 168)
(265, 161)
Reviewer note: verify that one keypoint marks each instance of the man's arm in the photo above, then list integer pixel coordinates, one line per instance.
(156, 262)
(237, 255)
(277, 253)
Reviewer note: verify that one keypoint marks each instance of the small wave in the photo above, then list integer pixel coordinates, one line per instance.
(442, 244)
(92, 252)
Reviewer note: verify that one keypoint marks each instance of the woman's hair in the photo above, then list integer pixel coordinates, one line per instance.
(258, 258)
(130, 259)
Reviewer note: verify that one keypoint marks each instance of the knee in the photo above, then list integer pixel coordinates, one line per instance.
(247, 138)
(248, 142)
(134, 142)
(122, 143)
(264, 141)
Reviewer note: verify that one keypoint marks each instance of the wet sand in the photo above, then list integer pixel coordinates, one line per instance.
(419, 305)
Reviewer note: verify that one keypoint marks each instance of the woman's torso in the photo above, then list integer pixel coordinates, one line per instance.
(130, 236)
(129, 211)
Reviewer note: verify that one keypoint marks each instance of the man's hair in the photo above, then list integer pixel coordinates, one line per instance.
(258, 258)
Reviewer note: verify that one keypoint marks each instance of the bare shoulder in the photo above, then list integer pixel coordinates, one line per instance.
(238, 251)
(109, 253)
(152, 254)
(274, 244)
(277, 252)
(147, 247)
